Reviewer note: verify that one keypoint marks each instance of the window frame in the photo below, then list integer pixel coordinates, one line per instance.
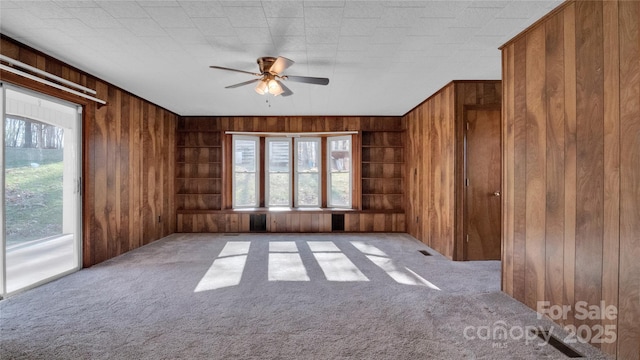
(349, 205)
(267, 185)
(260, 140)
(256, 140)
(296, 173)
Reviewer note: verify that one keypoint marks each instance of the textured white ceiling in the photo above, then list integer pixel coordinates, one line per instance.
(383, 57)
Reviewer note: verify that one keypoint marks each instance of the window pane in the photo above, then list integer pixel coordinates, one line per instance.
(245, 189)
(339, 155)
(278, 156)
(278, 172)
(340, 189)
(308, 185)
(245, 175)
(245, 154)
(307, 153)
(279, 189)
(308, 172)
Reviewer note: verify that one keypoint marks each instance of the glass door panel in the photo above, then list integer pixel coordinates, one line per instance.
(41, 189)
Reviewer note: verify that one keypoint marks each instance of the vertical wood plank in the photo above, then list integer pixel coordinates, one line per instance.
(536, 168)
(589, 150)
(123, 176)
(520, 169)
(113, 113)
(508, 151)
(570, 171)
(611, 106)
(554, 221)
(99, 234)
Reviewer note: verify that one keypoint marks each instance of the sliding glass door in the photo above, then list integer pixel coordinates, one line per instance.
(41, 180)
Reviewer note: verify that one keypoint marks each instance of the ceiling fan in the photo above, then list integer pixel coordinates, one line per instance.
(270, 76)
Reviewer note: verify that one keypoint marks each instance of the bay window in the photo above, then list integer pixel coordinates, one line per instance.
(291, 172)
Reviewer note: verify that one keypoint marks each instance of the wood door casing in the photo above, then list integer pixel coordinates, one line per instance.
(483, 190)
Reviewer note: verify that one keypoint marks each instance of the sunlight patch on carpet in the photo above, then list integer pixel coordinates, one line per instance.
(227, 269)
(283, 246)
(404, 276)
(338, 267)
(287, 267)
(323, 246)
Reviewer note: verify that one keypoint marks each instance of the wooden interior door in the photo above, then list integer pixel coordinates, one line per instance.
(482, 184)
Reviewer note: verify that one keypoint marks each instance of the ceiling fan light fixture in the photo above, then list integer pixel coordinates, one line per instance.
(274, 88)
(262, 87)
(269, 77)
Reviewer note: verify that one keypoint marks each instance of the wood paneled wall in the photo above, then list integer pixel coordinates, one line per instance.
(204, 154)
(435, 163)
(571, 165)
(306, 221)
(128, 160)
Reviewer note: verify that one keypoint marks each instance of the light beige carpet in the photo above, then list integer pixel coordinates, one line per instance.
(260, 296)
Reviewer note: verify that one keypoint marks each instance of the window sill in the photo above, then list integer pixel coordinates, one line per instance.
(289, 210)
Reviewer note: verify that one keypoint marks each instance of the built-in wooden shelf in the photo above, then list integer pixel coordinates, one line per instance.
(199, 168)
(382, 170)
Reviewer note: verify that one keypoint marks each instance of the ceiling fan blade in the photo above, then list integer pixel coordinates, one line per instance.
(236, 70)
(280, 65)
(307, 79)
(287, 91)
(241, 84)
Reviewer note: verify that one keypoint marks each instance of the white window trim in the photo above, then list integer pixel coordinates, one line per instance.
(255, 139)
(295, 173)
(338, 138)
(266, 170)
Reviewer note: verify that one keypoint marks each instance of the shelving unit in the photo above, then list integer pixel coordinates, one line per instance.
(198, 169)
(382, 170)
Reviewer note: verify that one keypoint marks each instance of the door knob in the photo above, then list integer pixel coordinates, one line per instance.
(497, 194)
